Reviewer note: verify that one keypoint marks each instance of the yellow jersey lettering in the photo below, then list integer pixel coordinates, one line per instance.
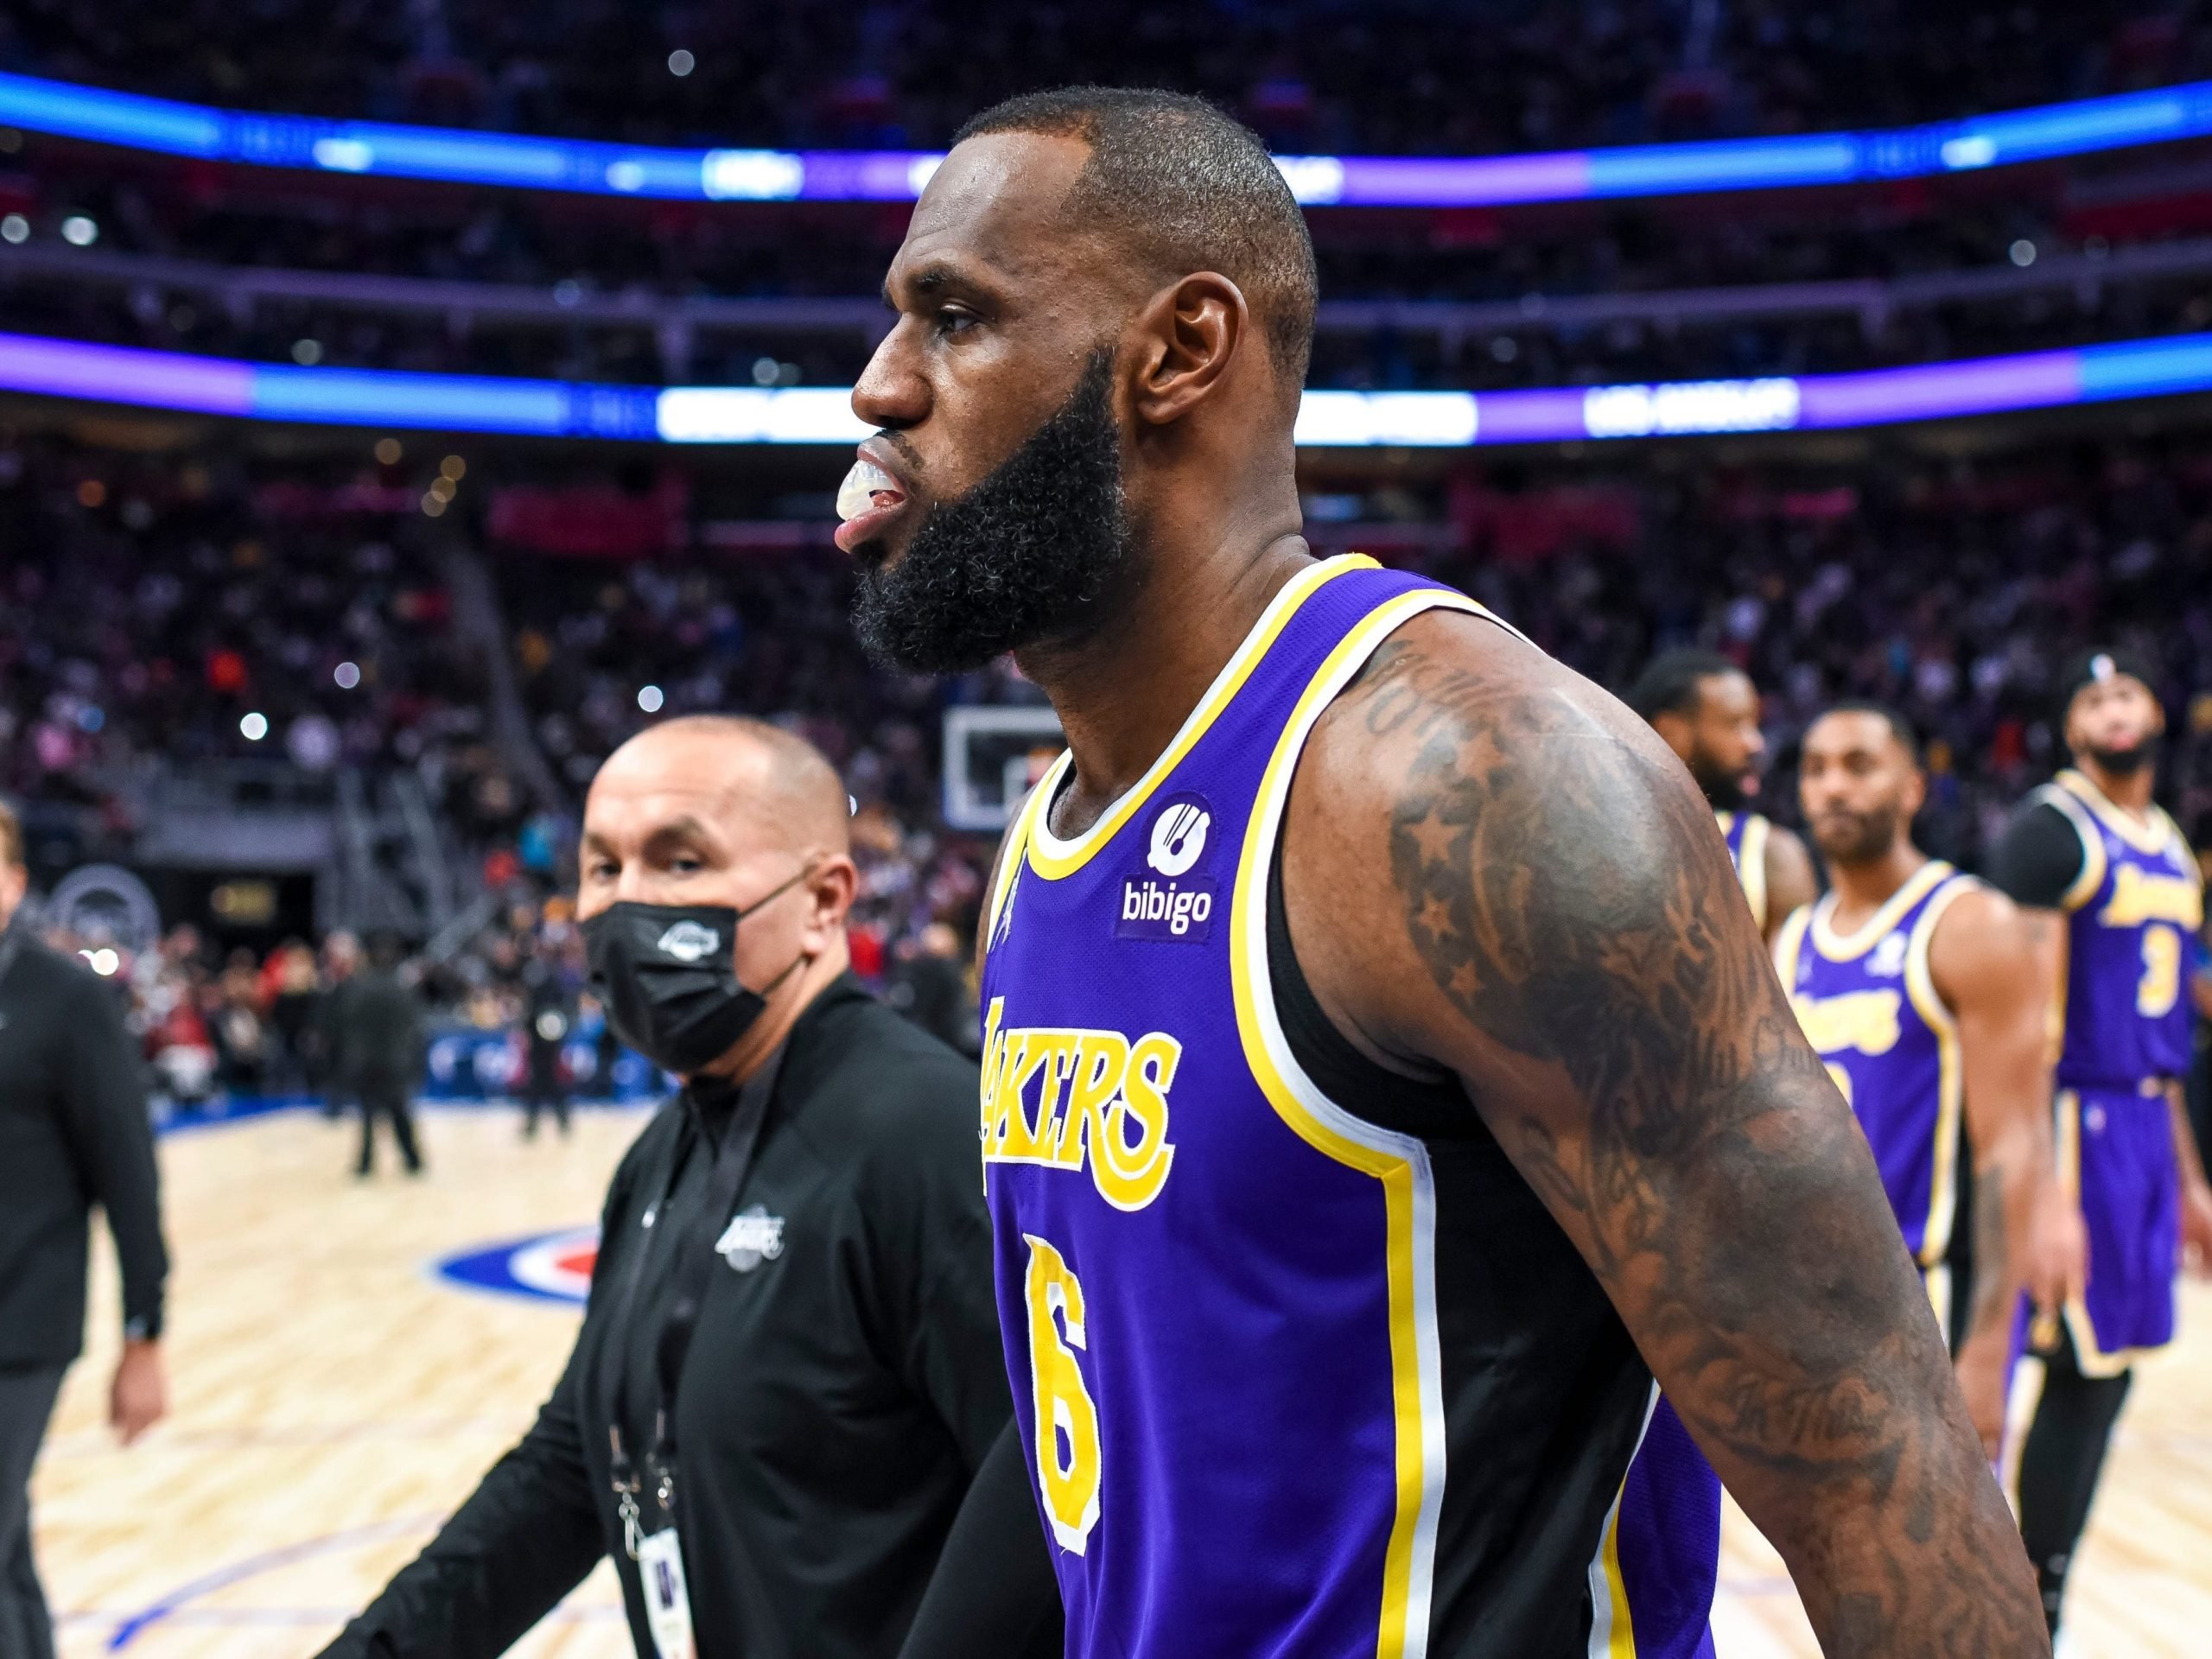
(1101, 1101)
(1866, 1021)
(2140, 895)
(1065, 1415)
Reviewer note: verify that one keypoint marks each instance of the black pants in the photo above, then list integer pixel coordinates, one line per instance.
(26, 1402)
(538, 1095)
(389, 1100)
(2060, 1465)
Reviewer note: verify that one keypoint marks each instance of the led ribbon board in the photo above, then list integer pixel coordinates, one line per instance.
(822, 415)
(463, 155)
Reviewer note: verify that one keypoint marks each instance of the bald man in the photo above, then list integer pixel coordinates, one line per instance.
(788, 1375)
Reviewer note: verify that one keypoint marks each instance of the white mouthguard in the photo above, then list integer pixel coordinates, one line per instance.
(861, 486)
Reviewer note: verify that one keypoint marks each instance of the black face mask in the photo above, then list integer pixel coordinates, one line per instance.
(668, 976)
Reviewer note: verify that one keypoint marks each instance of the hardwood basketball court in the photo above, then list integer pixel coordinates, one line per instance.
(332, 1398)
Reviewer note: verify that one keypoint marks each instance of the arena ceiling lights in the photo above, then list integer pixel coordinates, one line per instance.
(459, 156)
(822, 415)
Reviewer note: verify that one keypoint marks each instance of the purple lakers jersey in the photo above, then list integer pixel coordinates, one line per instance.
(1745, 834)
(1868, 1004)
(2132, 914)
(1289, 1380)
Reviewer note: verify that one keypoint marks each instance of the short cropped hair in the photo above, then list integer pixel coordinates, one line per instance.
(1671, 681)
(11, 837)
(1186, 189)
(1900, 728)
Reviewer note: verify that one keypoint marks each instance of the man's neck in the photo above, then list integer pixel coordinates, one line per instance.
(1123, 693)
(785, 1005)
(2130, 792)
(1862, 889)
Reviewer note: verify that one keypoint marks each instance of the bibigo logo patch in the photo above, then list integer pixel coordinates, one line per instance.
(1172, 899)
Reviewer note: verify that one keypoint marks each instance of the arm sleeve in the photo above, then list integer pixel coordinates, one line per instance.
(526, 1538)
(2038, 858)
(106, 1119)
(994, 1591)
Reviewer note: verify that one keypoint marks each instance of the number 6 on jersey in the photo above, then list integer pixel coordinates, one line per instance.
(1064, 1411)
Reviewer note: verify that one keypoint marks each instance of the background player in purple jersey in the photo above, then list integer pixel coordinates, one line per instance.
(1708, 710)
(2112, 894)
(1918, 986)
(1501, 888)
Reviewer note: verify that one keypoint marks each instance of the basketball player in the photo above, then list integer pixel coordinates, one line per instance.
(1381, 1080)
(1708, 710)
(1918, 986)
(2113, 895)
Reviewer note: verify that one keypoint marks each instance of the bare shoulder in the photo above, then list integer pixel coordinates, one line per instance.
(1473, 826)
(1790, 879)
(1980, 945)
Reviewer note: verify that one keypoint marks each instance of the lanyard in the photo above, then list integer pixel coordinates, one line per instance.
(693, 1266)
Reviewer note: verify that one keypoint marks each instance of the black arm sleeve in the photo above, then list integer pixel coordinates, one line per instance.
(2038, 859)
(526, 1538)
(994, 1591)
(105, 1117)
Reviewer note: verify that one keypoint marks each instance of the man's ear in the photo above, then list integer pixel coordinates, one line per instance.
(1191, 331)
(830, 891)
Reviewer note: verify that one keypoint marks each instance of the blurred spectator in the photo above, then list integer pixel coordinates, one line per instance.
(549, 1019)
(289, 991)
(381, 1044)
(341, 962)
(928, 983)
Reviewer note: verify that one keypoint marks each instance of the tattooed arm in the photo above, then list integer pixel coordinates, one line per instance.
(1985, 972)
(1491, 866)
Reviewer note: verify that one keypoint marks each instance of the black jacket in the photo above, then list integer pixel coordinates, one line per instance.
(380, 1030)
(74, 1132)
(845, 1382)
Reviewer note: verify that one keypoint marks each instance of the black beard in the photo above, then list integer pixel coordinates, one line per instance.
(1869, 836)
(1025, 557)
(1725, 791)
(2126, 763)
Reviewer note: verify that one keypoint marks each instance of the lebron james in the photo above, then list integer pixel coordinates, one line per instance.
(1385, 1087)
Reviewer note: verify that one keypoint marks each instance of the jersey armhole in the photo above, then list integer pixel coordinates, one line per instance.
(1752, 871)
(2092, 875)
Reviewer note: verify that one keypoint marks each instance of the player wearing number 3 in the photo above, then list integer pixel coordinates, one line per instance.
(2113, 895)
(1383, 1079)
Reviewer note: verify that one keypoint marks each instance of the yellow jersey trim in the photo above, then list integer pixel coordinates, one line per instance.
(2155, 836)
(1006, 875)
(1612, 1622)
(2076, 813)
(1751, 871)
(1787, 944)
(1052, 858)
(1399, 1162)
(1838, 948)
(1950, 1098)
